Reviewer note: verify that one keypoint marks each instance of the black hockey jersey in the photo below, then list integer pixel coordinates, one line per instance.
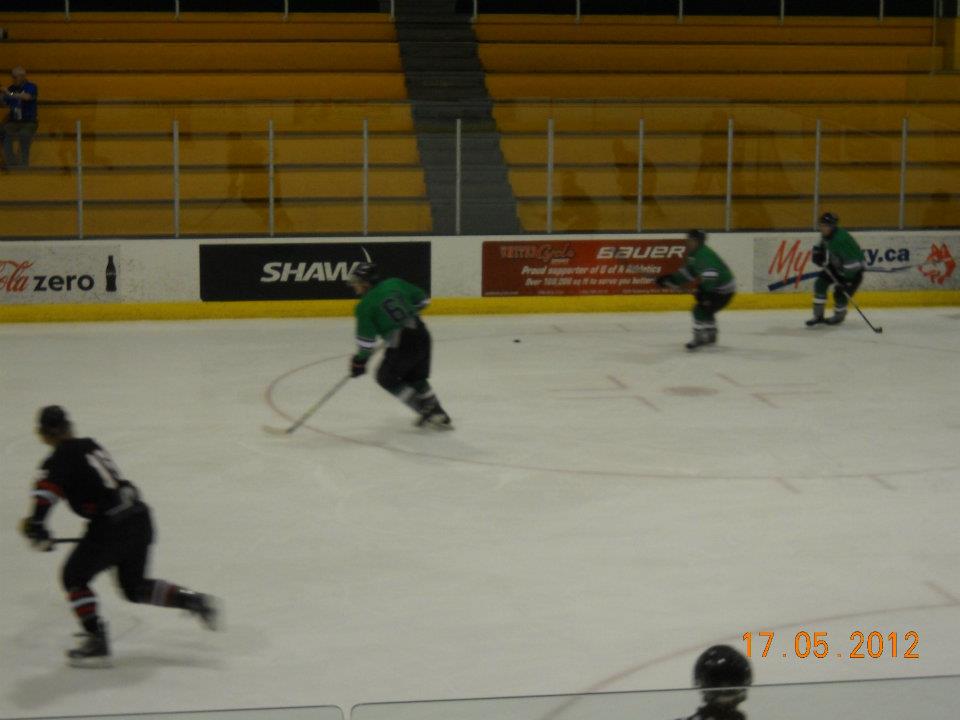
(84, 474)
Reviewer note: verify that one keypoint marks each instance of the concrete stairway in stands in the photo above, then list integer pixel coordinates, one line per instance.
(445, 81)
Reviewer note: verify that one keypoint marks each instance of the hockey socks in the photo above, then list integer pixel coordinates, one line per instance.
(84, 603)
(164, 594)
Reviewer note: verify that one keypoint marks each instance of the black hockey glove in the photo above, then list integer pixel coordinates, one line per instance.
(663, 281)
(358, 366)
(819, 256)
(36, 533)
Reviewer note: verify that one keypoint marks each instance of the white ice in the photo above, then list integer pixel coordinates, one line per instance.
(608, 506)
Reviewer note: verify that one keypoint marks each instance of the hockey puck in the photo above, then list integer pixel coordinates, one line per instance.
(516, 339)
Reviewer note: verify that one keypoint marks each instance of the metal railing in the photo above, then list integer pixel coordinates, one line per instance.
(576, 10)
(176, 9)
(550, 168)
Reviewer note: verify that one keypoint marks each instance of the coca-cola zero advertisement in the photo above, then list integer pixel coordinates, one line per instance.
(42, 274)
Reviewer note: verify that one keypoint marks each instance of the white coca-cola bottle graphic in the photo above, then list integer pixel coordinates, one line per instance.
(111, 275)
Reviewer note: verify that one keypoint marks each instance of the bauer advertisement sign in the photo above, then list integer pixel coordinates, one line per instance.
(41, 274)
(578, 267)
(893, 262)
(303, 271)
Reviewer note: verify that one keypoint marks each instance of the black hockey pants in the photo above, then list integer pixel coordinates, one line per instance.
(124, 545)
(409, 362)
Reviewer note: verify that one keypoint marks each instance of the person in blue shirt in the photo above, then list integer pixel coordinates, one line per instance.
(21, 122)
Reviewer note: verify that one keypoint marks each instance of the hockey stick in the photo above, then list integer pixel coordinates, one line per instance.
(313, 408)
(48, 544)
(843, 288)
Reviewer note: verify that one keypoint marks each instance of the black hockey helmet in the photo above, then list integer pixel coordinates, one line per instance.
(699, 235)
(828, 218)
(366, 272)
(722, 666)
(52, 420)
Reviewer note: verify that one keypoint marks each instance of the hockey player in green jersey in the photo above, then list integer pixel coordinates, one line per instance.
(390, 308)
(842, 262)
(715, 287)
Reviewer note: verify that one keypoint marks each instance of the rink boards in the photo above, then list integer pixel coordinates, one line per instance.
(290, 277)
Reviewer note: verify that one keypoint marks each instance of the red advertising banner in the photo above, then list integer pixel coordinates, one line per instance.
(578, 267)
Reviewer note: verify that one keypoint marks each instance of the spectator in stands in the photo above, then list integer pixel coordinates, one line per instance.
(21, 122)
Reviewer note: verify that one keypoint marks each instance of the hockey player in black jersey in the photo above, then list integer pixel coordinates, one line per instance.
(723, 674)
(119, 534)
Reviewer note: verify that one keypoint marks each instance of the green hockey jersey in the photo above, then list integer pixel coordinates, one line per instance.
(705, 266)
(844, 256)
(387, 308)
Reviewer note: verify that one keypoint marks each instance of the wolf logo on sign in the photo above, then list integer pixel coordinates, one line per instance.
(939, 265)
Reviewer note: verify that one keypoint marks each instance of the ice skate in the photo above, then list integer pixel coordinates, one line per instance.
(700, 337)
(837, 317)
(815, 321)
(435, 416)
(205, 607)
(93, 651)
(439, 419)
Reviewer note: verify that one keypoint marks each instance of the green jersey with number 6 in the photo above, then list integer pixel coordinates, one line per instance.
(387, 308)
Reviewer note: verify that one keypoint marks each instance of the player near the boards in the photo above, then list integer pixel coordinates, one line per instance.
(389, 308)
(723, 674)
(118, 535)
(843, 263)
(715, 286)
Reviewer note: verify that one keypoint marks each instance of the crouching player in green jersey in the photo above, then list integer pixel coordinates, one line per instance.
(715, 287)
(389, 308)
(842, 261)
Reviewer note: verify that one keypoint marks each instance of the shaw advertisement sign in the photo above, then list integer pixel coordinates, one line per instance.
(303, 271)
(894, 262)
(39, 274)
(578, 267)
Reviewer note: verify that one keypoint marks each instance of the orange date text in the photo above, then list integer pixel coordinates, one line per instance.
(860, 645)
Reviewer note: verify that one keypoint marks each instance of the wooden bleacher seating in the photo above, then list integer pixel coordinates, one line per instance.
(598, 78)
(128, 77)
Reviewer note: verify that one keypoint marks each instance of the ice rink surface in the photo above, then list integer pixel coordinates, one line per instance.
(608, 506)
